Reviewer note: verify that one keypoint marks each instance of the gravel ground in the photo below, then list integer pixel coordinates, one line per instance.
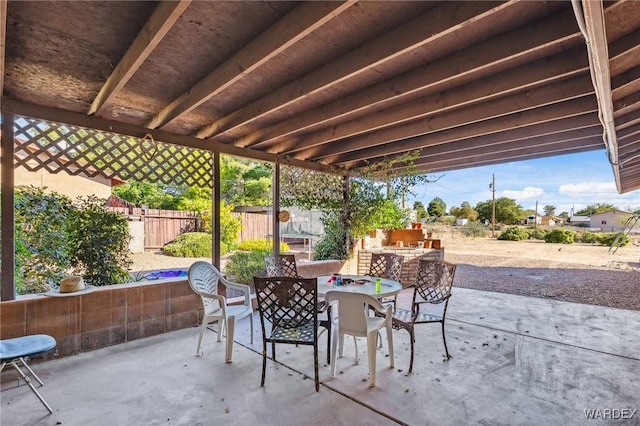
(587, 274)
(569, 282)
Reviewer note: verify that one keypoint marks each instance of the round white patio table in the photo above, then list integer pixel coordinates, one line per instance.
(388, 287)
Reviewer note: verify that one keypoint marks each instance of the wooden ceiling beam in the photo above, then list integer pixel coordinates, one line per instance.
(627, 104)
(550, 129)
(628, 132)
(432, 25)
(362, 146)
(161, 21)
(584, 107)
(576, 146)
(627, 120)
(509, 81)
(3, 41)
(597, 45)
(296, 25)
(452, 152)
(499, 51)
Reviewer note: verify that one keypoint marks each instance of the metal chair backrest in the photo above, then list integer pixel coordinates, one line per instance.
(281, 265)
(386, 265)
(287, 302)
(434, 281)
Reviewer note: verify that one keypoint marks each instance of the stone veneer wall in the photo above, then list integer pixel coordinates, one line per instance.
(411, 256)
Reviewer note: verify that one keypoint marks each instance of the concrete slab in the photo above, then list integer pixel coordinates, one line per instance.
(516, 361)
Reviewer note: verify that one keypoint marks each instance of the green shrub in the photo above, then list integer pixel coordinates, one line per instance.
(192, 244)
(607, 239)
(538, 233)
(263, 245)
(41, 238)
(560, 236)
(587, 237)
(473, 230)
(242, 266)
(99, 242)
(514, 233)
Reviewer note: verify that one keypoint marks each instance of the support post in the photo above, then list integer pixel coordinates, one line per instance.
(276, 208)
(8, 287)
(215, 217)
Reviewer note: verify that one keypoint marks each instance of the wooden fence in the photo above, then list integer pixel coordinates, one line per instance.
(160, 226)
(254, 225)
(163, 226)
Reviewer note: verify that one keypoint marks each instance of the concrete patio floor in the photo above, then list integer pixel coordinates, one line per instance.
(516, 361)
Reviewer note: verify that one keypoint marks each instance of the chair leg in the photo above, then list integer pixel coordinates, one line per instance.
(231, 323)
(355, 343)
(412, 337)
(221, 325)
(315, 366)
(444, 339)
(334, 349)
(203, 327)
(371, 347)
(264, 361)
(28, 382)
(390, 343)
(35, 376)
(251, 325)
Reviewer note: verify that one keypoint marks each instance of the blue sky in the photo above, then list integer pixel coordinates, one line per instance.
(567, 182)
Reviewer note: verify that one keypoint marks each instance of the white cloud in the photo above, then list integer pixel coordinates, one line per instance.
(528, 193)
(579, 190)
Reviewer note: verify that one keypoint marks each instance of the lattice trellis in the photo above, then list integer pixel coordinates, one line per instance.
(301, 183)
(57, 148)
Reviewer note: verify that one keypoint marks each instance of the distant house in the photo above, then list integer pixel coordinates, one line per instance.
(534, 220)
(548, 220)
(611, 221)
(579, 221)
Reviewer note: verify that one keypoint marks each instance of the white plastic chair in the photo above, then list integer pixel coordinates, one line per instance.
(352, 318)
(204, 279)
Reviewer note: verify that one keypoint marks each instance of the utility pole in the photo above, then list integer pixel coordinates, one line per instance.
(492, 185)
(535, 219)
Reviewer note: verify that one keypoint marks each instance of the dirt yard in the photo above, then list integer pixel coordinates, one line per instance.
(578, 273)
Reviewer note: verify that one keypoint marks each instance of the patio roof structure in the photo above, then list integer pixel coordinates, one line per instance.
(335, 85)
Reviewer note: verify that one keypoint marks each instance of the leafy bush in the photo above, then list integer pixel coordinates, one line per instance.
(263, 245)
(473, 230)
(608, 239)
(587, 237)
(193, 244)
(41, 238)
(242, 266)
(561, 236)
(538, 233)
(99, 243)
(514, 233)
(333, 243)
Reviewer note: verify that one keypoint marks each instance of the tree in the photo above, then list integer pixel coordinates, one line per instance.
(507, 211)
(549, 210)
(592, 209)
(437, 207)
(465, 211)
(421, 212)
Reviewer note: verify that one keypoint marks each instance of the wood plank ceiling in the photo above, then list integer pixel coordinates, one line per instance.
(336, 85)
